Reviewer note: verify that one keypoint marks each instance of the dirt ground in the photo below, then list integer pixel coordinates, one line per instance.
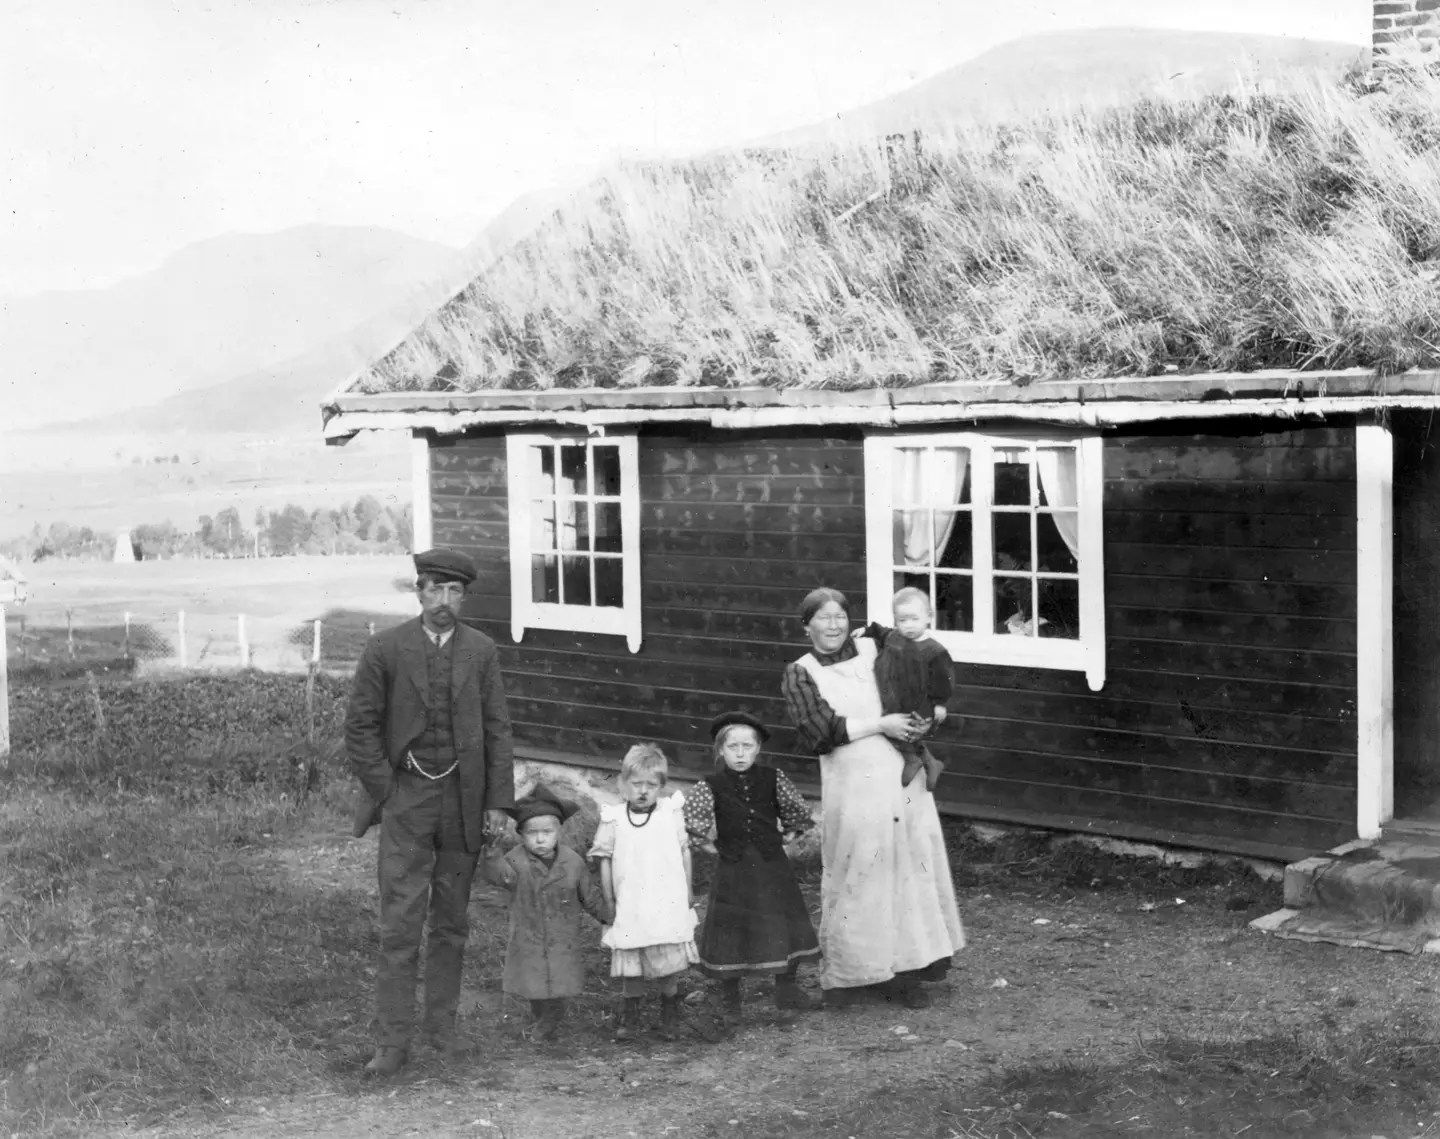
(1066, 976)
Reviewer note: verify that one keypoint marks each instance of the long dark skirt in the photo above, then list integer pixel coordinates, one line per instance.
(756, 921)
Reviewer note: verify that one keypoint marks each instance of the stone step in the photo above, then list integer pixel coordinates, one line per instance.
(1382, 895)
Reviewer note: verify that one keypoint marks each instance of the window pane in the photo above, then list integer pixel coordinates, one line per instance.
(572, 470)
(1056, 468)
(1013, 602)
(924, 582)
(610, 582)
(576, 572)
(607, 527)
(1012, 541)
(542, 525)
(913, 538)
(954, 602)
(953, 538)
(1051, 534)
(546, 455)
(573, 517)
(1060, 608)
(607, 469)
(907, 477)
(1012, 484)
(544, 578)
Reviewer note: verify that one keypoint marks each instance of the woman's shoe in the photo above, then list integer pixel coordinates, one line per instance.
(844, 998)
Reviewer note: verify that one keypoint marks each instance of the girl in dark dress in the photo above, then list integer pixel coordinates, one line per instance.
(756, 921)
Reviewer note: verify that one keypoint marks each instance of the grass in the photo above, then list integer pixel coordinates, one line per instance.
(1285, 228)
(1318, 1086)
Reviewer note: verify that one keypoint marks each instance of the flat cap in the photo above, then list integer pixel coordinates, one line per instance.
(540, 802)
(725, 719)
(445, 565)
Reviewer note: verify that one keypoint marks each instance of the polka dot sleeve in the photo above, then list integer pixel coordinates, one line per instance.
(793, 810)
(700, 813)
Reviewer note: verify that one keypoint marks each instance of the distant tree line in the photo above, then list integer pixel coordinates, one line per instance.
(362, 527)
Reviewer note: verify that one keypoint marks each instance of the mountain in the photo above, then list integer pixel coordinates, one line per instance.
(223, 307)
(1058, 70)
(284, 397)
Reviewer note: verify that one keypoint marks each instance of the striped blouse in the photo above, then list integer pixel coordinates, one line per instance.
(819, 728)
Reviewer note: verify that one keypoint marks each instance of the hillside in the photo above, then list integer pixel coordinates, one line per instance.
(1095, 67)
(217, 309)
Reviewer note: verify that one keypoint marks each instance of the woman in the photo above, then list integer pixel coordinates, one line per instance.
(888, 914)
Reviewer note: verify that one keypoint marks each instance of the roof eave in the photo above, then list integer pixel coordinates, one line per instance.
(1094, 403)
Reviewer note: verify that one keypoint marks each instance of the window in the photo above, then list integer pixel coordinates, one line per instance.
(574, 534)
(1002, 533)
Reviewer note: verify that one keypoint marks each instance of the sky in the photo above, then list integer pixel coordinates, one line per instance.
(131, 128)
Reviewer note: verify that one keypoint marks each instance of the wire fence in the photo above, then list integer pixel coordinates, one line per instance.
(74, 640)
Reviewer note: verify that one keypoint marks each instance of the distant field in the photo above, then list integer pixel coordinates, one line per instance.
(279, 598)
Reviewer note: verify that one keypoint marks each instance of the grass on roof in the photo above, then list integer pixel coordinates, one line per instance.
(1258, 229)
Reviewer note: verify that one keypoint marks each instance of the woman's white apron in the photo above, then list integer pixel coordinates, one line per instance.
(888, 904)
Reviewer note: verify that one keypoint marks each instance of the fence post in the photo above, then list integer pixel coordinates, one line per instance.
(182, 638)
(5, 692)
(315, 649)
(69, 634)
(371, 627)
(244, 644)
(127, 635)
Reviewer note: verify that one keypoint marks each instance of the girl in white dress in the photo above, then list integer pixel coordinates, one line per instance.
(644, 856)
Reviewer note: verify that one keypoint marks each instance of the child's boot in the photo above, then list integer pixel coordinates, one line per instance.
(933, 768)
(669, 1017)
(552, 1012)
(789, 995)
(628, 1026)
(730, 1001)
(913, 763)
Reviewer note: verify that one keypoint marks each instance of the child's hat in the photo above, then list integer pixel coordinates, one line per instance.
(540, 802)
(721, 722)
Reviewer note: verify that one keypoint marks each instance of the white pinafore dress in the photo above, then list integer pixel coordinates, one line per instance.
(654, 931)
(887, 900)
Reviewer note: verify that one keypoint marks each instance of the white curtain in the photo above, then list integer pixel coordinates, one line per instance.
(928, 480)
(1059, 481)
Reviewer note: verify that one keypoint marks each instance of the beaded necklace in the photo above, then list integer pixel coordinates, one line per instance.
(648, 813)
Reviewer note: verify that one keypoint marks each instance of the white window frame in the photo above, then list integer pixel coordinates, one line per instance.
(527, 613)
(1085, 655)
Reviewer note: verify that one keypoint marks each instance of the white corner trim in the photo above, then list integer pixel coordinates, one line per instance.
(422, 524)
(1374, 648)
(518, 507)
(1092, 553)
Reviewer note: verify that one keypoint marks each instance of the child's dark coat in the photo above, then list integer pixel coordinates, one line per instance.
(544, 956)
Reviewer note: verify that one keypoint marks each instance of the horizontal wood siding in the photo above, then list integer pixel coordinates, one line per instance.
(1227, 718)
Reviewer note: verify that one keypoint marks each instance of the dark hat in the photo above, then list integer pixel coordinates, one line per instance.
(721, 722)
(540, 802)
(445, 565)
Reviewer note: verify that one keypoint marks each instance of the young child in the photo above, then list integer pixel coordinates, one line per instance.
(549, 885)
(756, 921)
(914, 674)
(645, 875)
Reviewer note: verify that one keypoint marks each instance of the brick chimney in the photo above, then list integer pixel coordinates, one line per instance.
(1407, 28)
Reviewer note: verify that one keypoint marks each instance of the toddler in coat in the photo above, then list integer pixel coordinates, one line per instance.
(550, 886)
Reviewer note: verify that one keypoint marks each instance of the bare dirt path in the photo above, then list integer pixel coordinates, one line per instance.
(1086, 975)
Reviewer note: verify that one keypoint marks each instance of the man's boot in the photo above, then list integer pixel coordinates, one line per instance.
(388, 1059)
(547, 1025)
(627, 1025)
(731, 1001)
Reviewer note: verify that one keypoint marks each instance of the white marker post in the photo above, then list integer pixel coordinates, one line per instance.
(315, 649)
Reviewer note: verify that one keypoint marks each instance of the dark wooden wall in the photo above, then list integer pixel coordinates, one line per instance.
(1227, 719)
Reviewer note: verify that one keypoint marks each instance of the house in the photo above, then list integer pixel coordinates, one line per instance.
(1144, 402)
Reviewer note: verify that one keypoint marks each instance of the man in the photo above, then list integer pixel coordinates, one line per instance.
(428, 733)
